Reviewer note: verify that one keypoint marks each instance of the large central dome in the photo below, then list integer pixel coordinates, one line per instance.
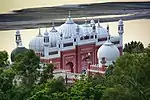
(68, 28)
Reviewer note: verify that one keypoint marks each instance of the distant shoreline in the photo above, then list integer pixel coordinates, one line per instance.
(47, 23)
(35, 17)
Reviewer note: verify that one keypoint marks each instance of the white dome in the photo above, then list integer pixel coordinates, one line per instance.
(53, 37)
(17, 32)
(86, 28)
(100, 30)
(68, 28)
(120, 22)
(36, 44)
(108, 51)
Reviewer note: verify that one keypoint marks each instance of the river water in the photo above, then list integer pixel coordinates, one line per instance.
(136, 30)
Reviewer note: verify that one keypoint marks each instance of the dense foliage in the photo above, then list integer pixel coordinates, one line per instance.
(134, 47)
(127, 79)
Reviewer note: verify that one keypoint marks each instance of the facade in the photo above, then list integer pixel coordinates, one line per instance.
(73, 47)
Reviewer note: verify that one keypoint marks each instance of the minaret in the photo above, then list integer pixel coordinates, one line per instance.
(46, 44)
(18, 37)
(20, 44)
(121, 31)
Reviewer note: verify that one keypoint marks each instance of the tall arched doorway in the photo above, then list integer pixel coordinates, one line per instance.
(70, 66)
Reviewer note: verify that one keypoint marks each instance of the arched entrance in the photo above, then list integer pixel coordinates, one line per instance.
(70, 66)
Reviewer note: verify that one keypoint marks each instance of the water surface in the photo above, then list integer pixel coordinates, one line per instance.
(137, 30)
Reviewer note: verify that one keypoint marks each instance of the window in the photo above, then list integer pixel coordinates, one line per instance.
(61, 35)
(102, 39)
(54, 52)
(116, 42)
(95, 36)
(53, 44)
(94, 27)
(118, 27)
(74, 40)
(68, 44)
(121, 27)
(46, 39)
(92, 37)
(86, 37)
(81, 38)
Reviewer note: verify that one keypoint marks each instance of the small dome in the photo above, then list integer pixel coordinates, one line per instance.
(120, 22)
(68, 28)
(36, 43)
(86, 28)
(53, 37)
(46, 33)
(17, 32)
(18, 50)
(108, 51)
(100, 30)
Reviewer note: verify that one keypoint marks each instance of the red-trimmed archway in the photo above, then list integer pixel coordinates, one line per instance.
(70, 64)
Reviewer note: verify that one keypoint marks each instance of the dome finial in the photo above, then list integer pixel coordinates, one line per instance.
(53, 25)
(69, 19)
(69, 14)
(53, 28)
(108, 37)
(99, 22)
(46, 30)
(39, 31)
(85, 20)
(108, 28)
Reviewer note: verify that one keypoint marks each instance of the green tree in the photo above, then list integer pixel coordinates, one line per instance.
(117, 93)
(88, 88)
(26, 66)
(56, 85)
(54, 89)
(132, 72)
(6, 83)
(134, 47)
(4, 59)
(47, 73)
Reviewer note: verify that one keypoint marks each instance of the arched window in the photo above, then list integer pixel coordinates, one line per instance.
(81, 38)
(86, 37)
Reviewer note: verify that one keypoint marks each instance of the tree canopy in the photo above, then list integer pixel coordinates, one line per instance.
(134, 47)
(4, 59)
(127, 79)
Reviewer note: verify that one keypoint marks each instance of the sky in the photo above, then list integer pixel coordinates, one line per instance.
(9, 5)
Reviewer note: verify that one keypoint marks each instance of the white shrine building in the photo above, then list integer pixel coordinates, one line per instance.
(74, 47)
